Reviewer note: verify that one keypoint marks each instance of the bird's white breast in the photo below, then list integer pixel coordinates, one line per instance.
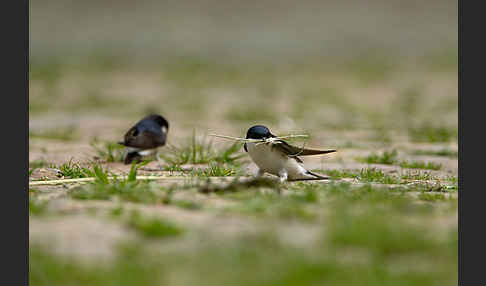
(274, 162)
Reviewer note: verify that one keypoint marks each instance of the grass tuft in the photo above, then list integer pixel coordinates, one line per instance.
(338, 174)
(73, 170)
(387, 158)
(417, 176)
(215, 170)
(420, 165)
(128, 189)
(200, 151)
(108, 151)
(374, 175)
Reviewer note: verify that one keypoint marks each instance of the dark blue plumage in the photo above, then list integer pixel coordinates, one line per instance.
(258, 132)
(148, 133)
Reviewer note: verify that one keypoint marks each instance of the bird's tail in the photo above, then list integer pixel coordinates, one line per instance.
(313, 178)
(306, 152)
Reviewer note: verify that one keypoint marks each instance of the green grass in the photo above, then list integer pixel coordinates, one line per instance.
(229, 155)
(140, 192)
(375, 175)
(416, 176)
(187, 204)
(129, 268)
(117, 212)
(200, 151)
(195, 151)
(128, 189)
(452, 179)
(368, 236)
(386, 236)
(255, 260)
(74, 170)
(432, 134)
(173, 168)
(420, 165)
(272, 205)
(378, 176)
(261, 197)
(338, 174)
(108, 151)
(388, 158)
(153, 227)
(364, 175)
(215, 170)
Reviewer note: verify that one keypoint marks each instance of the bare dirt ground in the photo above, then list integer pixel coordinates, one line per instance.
(81, 127)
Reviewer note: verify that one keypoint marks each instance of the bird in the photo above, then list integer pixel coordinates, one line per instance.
(278, 157)
(145, 137)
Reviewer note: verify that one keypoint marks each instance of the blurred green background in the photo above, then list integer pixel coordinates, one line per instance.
(332, 65)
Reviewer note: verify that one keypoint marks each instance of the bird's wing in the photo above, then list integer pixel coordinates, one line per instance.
(294, 151)
(144, 140)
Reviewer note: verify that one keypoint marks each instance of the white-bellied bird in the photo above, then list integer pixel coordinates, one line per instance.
(145, 137)
(279, 158)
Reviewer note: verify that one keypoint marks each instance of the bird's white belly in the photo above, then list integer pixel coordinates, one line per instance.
(273, 162)
(141, 152)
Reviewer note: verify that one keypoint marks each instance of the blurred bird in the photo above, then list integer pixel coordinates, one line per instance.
(279, 158)
(145, 137)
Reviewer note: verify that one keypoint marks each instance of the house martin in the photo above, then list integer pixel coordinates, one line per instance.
(279, 158)
(145, 137)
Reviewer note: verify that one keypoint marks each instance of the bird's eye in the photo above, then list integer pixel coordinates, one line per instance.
(134, 132)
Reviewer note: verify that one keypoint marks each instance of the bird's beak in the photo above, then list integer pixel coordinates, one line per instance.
(121, 143)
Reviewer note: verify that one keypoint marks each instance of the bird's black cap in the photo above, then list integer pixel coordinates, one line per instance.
(258, 132)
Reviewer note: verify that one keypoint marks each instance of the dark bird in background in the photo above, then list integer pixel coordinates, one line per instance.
(278, 157)
(145, 137)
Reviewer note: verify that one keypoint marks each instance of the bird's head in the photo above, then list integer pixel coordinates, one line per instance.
(259, 132)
